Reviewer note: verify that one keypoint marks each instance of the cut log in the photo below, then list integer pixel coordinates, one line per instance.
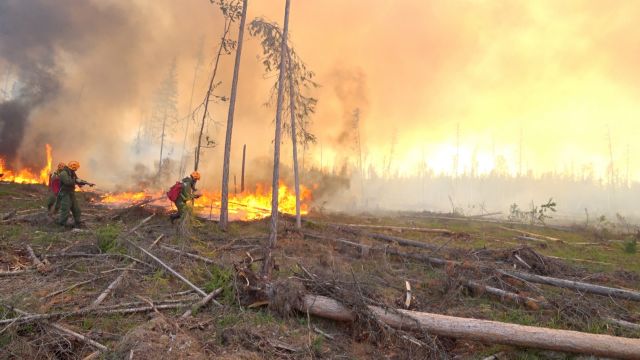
(575, 285)
(492, 332)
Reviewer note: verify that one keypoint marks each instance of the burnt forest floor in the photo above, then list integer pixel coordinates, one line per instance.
(78, 265)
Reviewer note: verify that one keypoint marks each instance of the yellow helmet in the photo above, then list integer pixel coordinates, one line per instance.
(195, 175)
(61, 166)
(73, 165)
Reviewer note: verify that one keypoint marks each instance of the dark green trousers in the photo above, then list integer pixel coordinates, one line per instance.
(68, 202)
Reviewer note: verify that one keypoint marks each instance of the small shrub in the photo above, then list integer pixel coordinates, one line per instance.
(631, 247)
(221, 278)
(107, 236)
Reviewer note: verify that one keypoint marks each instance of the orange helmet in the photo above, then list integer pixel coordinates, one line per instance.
(195, 175)
(61, 166)
(73, 165)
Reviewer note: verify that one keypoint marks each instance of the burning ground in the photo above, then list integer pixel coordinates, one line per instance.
(368, 264)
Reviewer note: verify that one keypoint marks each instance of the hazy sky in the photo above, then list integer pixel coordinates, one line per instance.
(562, 73)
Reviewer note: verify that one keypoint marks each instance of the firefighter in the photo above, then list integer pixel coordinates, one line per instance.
(186, 194)
(67, 195)
(54, 186)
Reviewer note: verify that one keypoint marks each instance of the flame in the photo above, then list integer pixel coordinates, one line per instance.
(245, 206)
(27, 176)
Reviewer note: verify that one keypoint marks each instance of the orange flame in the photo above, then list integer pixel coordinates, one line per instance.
(27, 176)
(245, 206)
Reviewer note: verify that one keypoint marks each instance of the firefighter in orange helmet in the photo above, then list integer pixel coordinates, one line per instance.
(187, 193)
(67, 195)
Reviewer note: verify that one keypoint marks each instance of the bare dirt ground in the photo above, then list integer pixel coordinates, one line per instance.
(77, 266)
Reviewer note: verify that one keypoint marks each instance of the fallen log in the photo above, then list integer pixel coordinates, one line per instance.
(133, 206)
(120, 277)
(168, 268)
(203, 302)
(575, 285)
(569, 284)
(624, 324)
(485, 331)
(530, 234)
(114, 284)
(529, 238)
(98, 255)
(40, 266)
(86, 311)
(503, 295)
(399, 228)
(14, 273)
(71, 287)
(193, 256)
(9, 215)
(388, 238)
(65, 331)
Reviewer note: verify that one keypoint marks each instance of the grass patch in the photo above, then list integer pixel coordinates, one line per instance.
(107, 236)
(263, 317)
(228, 320)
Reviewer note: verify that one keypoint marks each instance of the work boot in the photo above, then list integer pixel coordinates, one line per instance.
(79, 225)
(174, 217)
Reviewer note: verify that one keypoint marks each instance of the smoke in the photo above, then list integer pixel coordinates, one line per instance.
(13, 117)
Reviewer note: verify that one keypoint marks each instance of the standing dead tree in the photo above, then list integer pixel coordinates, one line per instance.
(231, 11)
(165, 111)
(299, 79)
(224, 202)
(188, 118)
(273, 235)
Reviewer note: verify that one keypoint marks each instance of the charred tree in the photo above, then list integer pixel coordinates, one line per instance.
(224, 202)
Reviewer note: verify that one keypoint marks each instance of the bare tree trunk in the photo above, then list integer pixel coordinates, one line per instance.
(294, 139)
(267, 265)
(208, 96)
(183, 162)
(244, 153)
(224, 202)
(164, 123)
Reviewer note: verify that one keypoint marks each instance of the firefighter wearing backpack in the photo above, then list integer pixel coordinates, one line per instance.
(182, 192)
(67, 195)
(54, 186)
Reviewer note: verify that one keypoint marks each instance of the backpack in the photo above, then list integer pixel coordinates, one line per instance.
(174, 191)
